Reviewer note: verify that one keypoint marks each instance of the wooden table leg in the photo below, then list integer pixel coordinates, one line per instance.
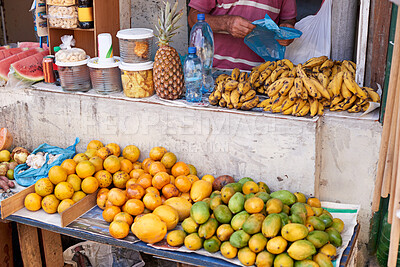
(6, 252)
(29, 244)
(52, 247)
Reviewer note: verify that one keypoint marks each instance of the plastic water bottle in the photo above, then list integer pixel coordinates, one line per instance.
(193, 76)
(201, 37)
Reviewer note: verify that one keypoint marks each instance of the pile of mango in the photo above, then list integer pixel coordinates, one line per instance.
(245, 220)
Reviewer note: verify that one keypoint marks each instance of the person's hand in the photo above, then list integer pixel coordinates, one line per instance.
(289, 41)
(239, 27)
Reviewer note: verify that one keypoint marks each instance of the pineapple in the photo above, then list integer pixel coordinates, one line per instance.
(167, 70)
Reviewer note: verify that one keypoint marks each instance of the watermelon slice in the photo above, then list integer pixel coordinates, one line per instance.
(31, 45)
(6, 63)
(30, 68)
(9, 52)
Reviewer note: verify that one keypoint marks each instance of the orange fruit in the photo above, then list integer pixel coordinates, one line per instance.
(145, 180)
(314, 202)
(91, 153)
(5, 139)
(50, 204)
(171, 179)
(112, 164)
(183, 183)
(156, 153)
(90, 185)
(104, 178)
(80, 157)
(85, 169)
(138, 217)
(124, 217)
(63, 190)
(146, 164)
(115, 149)
(160, 180)
(152, 189)
(120, 178)
(167, 214)
(169, 171)
(192, 169)
(110, 212)
(152, 201)
(102, 198)
(168, 159)
(108, 203)
(156, 167)
(57, 174)
(75, 181)
(103, 191)
(131, 152)
(193, 178)
(44, 187)
(254, 205)
(208, 178)
(94, 144)
(186, 196)
(180, 168)
(104, 152)
(119, 229)
(169, 190)
(310, 211)
(249, 187)
(135, 173)
(117, 196)
(163, 199)
(130, 182)
(126, 165)
(97, 162)
(77, 196)
(64, 205)
(200, 190)
(135, 191)
(137, 165)
(134, 207)
(69, 166)
(32, 202)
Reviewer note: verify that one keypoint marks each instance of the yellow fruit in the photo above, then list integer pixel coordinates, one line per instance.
(77, 196)
(152, 201)
(63, 190)
(189, 225)
(110, 212)
(57, 174)
(193, 242)
(156, 167)
(180, 168)
(112, 164)
(119, 229)
(300, 197)
(149, 228)
(176, 238)
(91, 153)
(94, 144)
(69, 166)
(80, 157)
(124, 217)
(208, 178)
(329, 250)
(97, 163)
(228, 251)
(5, 155)
(254, 205)
(276, 245)
(160, 180)
(246, 256)
(75, 181)
(200, 190)
(50, 204)
(168, 215)
(250, 187)
(192, 169)
(120, 178)
(126, 165)
(104, 177)
(264, 258)
(135, 191)
(65, 204)
(314, 202)
(131, 152)
(135, 173)
(32, 202)
(156, 153)
(183, 183)
(90, 185)
(274, 205)
(115, 149)
(193, 178)
(44, 187)
(169, 160)
(103, 153)
(181, 205)
(85, 169)
(134, 207)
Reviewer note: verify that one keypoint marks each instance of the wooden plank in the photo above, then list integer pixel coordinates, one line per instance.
(107, 20)
(52, 248)
(6, 248)
(78, 209)
(362, 41)
(29, 244)
(15, 202)
(380, 41)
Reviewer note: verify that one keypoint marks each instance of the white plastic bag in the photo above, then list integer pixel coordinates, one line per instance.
(316, 38)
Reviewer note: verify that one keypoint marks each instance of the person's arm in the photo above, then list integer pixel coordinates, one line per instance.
(235, 25)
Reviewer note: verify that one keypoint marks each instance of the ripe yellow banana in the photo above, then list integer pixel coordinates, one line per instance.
(243, 76)
(309, 85)
(231, 85)
(320, 109)
(221, 78)
(337, 83)
(327, 64)
(327, 72)
(349, 66)
(274, 88)
(348, 80)
(349, 103)
(336, 100)
(288, 63)
(320, 88)
(235, 74)
(254, 76)
(222, 103)
(300, 71)
(304, 111)
(249, 95)
(299, 105)
(265, 103)
(298, 87)
(345, 91)
(360, 102)
(278, 102)
(261, 90)
(278, 71)
(235, 96)
(263, 66)
(314, 105)
(264, 75)
(287, 85)
(243, 88)
(285, 74)
(287, 104)
(323, 79)
(288, 111)
(372, 94)
(325, 102)
(316, 69)
(315, 61)
(360, 92)
(292, 93)
(354, 109)
(364, 107)
(227, 96)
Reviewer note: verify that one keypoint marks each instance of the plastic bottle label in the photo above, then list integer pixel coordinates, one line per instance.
(85, 14)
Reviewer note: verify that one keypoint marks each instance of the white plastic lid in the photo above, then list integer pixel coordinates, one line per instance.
(136, 67)
(72, 64)
(94, 63)
(135, 33)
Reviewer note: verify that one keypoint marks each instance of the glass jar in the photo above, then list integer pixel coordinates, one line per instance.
(85, 14)
(137, 79)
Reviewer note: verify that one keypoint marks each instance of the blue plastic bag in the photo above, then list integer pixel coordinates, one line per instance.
(29, 177)
(263, 39)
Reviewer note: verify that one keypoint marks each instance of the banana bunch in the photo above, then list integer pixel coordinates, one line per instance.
(234, 91)
(299, 90)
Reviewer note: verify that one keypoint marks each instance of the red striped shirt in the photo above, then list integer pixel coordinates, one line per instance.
(231, 52)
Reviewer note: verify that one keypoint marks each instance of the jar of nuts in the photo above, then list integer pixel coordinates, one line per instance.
(137, 79)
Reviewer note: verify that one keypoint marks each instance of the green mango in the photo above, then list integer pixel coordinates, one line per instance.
(236, 186)
(223, 214)
(283, 260)
(297, 218)
(246, 197)
(285, 196)
(294, 231)
(298, 208)
(301, 250)
(334, 236)
(212, 244)
(284, 217)
(208, 228)
(318, 238)
(326, 219)
(271, 225)
(215, 193)
(263, 195)
(286, 209)
(338, 224)
(322, 260)
(236, 203)
(245, 179)
(316, 222)
(327, 213)
(200, 212)
(306, 263)
(253, 224)
(215, 202)
(239, 239)
(239, 219)
(317, 211)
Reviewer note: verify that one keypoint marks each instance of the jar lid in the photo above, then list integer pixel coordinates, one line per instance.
(135, 33)
(136, 67)
(72, 64)
(94, 63)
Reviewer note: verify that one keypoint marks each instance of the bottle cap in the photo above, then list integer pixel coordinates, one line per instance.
(201, 17)
(192, 50)
(56, 49)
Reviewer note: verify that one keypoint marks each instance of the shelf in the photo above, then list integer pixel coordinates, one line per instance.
(75, 29)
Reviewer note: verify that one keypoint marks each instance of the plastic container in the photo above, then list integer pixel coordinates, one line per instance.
(135, 45)
(201, 37)
(137, 79)
(74, 76)
(61, 2)
(63, 17)
(105, 78)
(193, 76)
